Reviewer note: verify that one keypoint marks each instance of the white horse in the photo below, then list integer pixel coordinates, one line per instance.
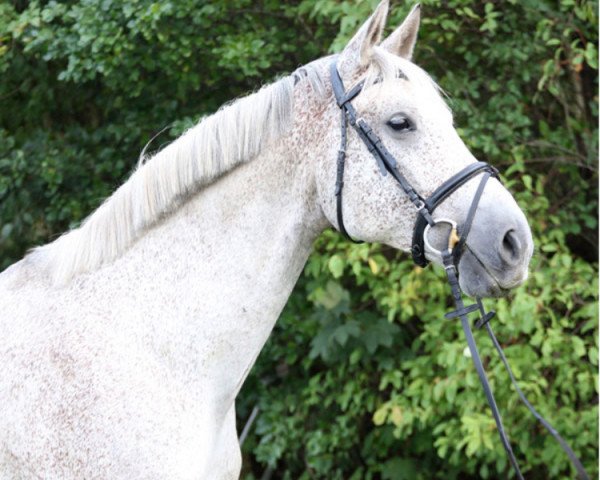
(125, 342)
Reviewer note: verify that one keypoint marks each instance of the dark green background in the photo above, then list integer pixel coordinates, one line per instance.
(362, 378)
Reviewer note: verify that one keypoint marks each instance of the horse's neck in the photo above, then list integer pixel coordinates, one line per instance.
(206, 286)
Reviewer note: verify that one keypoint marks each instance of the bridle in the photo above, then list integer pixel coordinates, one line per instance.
(450, 256)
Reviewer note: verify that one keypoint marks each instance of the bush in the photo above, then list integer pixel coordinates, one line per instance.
(362, 377)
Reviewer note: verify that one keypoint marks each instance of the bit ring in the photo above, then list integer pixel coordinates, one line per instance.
(453, 238)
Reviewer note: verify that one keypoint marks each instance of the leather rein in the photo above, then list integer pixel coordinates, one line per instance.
(420, 245)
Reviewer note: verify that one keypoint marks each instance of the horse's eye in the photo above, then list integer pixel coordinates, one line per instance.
(400, 123)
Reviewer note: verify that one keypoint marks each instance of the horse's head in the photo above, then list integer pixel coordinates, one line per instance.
(404, 108)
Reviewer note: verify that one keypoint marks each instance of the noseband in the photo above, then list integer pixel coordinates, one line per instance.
(450, 257)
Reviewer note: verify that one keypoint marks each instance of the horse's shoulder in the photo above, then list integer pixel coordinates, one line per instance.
(26, 273)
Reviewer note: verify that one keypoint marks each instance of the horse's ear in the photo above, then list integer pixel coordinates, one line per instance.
(359, 49)
(402, 40)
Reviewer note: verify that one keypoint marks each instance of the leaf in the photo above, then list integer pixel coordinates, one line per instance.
(593, 356)
(380, 415)
(396, 415)
(332, 296)
(591, 55)
(345, 331)
(373, 266)
(578, 346)
(336, 266)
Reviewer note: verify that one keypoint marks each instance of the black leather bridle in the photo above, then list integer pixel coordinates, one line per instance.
(450, 256)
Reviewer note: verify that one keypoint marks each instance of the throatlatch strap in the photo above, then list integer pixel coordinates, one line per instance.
(339, 183)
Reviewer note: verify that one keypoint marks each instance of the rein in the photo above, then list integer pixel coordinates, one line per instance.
(450, 256)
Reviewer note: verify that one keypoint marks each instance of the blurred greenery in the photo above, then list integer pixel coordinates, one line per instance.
(362, 377)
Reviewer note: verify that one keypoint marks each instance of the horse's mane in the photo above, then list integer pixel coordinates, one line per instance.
(218, 143)
(236, 133)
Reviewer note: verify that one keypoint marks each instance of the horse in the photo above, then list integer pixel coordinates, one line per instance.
(126, 340)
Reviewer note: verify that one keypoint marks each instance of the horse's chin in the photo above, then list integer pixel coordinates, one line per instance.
(482, 287)
(476, 281)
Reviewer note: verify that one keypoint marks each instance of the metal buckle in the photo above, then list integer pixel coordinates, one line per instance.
(419, 205)
(364, 126)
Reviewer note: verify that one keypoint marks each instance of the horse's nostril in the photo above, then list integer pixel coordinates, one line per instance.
(511, 249)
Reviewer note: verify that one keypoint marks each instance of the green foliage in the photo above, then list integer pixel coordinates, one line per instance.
(362, 378)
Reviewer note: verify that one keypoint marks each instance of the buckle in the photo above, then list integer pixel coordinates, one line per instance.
(419, 204)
